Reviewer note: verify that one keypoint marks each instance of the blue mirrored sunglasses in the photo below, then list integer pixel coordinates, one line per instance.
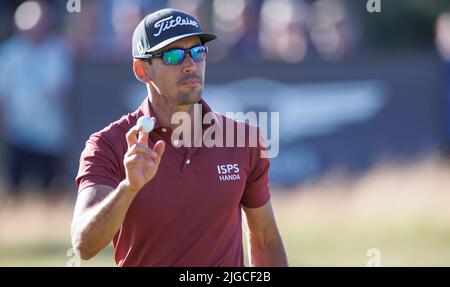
(176, 56)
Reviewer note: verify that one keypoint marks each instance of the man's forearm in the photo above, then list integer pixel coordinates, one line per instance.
(269, 254)
(97, 226)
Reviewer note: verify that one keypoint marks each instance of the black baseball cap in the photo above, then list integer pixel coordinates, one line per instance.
(163, 27)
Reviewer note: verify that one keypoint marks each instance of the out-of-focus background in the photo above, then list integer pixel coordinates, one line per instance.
(363, 173)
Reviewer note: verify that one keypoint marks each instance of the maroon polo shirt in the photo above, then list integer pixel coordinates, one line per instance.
(189, 214)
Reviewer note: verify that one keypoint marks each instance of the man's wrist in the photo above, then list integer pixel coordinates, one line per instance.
(125, 187)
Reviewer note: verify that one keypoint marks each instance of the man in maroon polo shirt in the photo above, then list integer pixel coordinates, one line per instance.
(165, 202)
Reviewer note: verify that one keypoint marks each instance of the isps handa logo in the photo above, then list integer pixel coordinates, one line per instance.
(228, 172)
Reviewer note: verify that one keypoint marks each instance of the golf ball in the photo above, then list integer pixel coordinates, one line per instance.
(145, 123)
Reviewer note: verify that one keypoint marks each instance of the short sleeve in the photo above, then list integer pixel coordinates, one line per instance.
(99, 163)
(257, 192)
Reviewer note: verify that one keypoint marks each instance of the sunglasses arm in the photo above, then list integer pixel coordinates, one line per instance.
(147, 56)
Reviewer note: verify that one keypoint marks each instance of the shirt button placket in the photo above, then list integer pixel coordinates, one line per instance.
(187, 165)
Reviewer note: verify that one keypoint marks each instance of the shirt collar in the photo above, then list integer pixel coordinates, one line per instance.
(147, 109)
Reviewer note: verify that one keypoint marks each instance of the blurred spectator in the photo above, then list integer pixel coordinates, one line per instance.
(126, 15)
(282, 31)
(442, 38)
(83, 30)
(102, 31)
(35, 72)
(228, 20)
(332, 31)
(193, 7)
(248, 45)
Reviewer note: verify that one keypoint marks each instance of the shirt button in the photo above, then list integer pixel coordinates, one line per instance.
(164, 130)
(188, 161)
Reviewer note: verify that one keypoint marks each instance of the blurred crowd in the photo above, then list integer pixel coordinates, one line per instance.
(280, 30)
(41, 43)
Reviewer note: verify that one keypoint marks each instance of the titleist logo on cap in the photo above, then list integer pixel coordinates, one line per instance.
(168, 23)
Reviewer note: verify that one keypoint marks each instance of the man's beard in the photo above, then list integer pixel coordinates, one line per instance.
(193, 96)
(189, 97)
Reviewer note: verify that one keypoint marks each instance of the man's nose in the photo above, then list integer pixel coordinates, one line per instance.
(188, 64)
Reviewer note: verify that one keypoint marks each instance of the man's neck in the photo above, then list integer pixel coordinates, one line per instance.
(164, 110)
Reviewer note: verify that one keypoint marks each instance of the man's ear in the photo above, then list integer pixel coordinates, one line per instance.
(140, 68)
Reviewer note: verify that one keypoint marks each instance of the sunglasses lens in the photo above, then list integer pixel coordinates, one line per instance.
(173, 57)
(176, 56)
(197, 53)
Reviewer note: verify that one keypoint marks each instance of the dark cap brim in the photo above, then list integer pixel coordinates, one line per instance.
(204, 37)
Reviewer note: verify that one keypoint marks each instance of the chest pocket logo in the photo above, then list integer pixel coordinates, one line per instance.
(228, 172)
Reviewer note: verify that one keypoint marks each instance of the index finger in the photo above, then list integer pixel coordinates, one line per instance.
(143, 138)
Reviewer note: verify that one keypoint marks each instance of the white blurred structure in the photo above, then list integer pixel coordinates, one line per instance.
(27, 15)
(442, 35)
